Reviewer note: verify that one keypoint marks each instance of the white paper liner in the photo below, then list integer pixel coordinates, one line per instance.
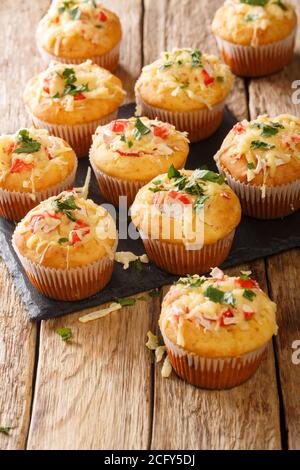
(78, 136)
(176, 259)
(68, 284)
(14, 205)
(213, 373)
(112, 188)
(279, 201)
(249, 61)
(199, 124)
(108, 61)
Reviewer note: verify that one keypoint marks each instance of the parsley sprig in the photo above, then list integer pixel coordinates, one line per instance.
(140, 129)
(70, 7)
(70, 88)
(67, 206)
(268, 130)
(220, 297)
(259, 3)
(260, 145)
(191, 281)
(25, 144)
(196, 58)
(65, 333)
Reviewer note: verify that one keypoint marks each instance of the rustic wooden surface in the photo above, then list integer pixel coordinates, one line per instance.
(102, 390)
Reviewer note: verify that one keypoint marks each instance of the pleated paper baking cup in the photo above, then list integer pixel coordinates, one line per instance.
(176, 259)
(68, 284)
(14, 205)
(279, 201)
(113, 188)
(213, 373)
(108, 61)
(250, 61)
(199, 124)
(78, 136)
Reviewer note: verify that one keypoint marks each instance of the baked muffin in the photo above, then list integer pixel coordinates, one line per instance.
(66, 246)
(74, 31)
(255, 37)
(261, 162)
(33, 167)
(216, 329)
(187, 89)
(72, 101)
(187, 220)
(128, 153)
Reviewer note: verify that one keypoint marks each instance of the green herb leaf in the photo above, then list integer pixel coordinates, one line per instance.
(154, 293)
(26, 144)
(140, 129)
(196, 58)
(166, 65)
(75, 14)
(57, 95)
(251, 166)
(65, 333)
(173, 173)
(67, 206)
(249, 294)
(191, 281)
(280, 4)
(260, 3)
(220, 297)
(268, 130)
(4, 430)
(207, 175)
(124, 138)
(125, 302)
(245, 277)
(61, 241)
(251, 17)
(259, 144)
(220, 79)
(138, 266)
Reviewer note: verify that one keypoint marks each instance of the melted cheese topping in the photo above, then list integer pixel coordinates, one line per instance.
(87, 19)
(242, 22)
(90, 82)
(55, 222)
(32, 169)
(263, 145)
(185, 75)
(188, 209)
(206, 308)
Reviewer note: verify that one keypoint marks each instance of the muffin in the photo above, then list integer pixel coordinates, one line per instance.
(128, 153)
(216, 329)
(66, 246)
(255, 37)
(187, 89)
(186, 220)
(261, 162)
(72, 32)
(72, 101)
(33, 167)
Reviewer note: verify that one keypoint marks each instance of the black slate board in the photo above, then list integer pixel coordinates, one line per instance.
(254, 239)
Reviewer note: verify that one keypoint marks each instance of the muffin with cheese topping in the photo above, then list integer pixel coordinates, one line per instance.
(128, 153)
(72, 101)
(187, 89)
(261, 162)
(187, 220)
(216, 329)
(256, 37)
(73, 31)
(33, 166)
(66, 246)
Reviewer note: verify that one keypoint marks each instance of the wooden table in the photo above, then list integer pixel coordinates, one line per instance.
(102, 390)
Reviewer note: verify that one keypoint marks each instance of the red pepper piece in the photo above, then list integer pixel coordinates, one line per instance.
(80, 96)
(180, 197)
(248, 315)
(207, 78)
(161, 131)
(239, 128)
(118, 126)
(102, 16)
(227, 314)
(247, 283)
(19, 166)
(74, 237)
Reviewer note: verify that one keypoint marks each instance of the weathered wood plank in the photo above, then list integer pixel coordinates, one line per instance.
(17, 334)
(96, 392)
(185, 417)
(273, 95)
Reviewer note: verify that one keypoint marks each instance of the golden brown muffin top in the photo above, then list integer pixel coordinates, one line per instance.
(218, 316)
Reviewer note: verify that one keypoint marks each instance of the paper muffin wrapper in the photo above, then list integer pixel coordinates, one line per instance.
(14, 205)
(213, 373)
(176, 259)
(199, 124)
(78, 136)
(113, 188)
(109, 60)
(249, 61)
(279, 201)
(68, 284)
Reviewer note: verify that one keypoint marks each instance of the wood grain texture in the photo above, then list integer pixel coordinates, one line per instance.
(273, 95)
(94, 392)
(17, 334)
(185, 417)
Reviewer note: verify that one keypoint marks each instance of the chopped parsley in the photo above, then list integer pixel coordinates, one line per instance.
(26, 144)
(191, 281)
(67, 206)
(126, 302)
(280, 4)
(4, 430)
(220, 79)
(245, 277)
(219, 297)
(70, 88)
(65, 333)
(249, 294)
(154, 293)
(268, 130)
(61, 241)
(138, 265)
(125, 139)
(259, 3)
(173, 173)
(207, 175)
(260, 145)
(251, 17)
(140, 129)
(184, 85)
(196, 58)
(251, 166)
(69, 7)
(166, 65)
